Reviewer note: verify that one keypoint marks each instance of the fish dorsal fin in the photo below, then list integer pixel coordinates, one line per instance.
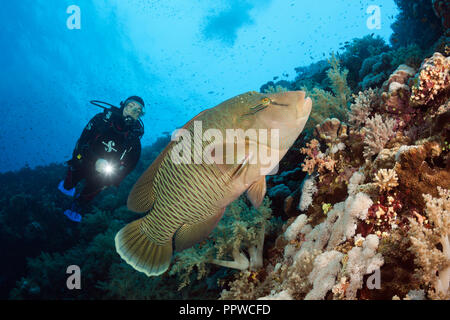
(143, 195)
(190, 234)
(257, 191)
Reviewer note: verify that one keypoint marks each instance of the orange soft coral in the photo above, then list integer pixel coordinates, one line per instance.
(316, 158)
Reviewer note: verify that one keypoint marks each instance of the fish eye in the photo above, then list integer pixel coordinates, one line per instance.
(265, 100)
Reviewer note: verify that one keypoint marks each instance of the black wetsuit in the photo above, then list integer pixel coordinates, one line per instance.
(106, 136)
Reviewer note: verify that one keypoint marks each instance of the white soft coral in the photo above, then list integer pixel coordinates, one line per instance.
(434, 263)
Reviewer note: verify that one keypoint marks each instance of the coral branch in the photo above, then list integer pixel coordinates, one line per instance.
(240, 261)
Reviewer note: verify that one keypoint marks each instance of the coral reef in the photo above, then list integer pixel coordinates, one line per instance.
(378, 228)
(386, 179)
(316, 159)
(377, 133)
(418, 172)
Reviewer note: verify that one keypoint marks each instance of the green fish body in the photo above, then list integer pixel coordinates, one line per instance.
(184, 201)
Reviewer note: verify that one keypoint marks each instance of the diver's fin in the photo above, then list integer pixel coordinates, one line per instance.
(190, 234)
(257, 191)
(140, 252)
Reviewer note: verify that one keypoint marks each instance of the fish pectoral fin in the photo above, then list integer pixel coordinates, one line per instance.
(231, 159)
(144, 255)
(189, 234)
(257, 191)
(238, 171)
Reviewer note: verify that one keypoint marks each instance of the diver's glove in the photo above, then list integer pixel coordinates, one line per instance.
(69, 193)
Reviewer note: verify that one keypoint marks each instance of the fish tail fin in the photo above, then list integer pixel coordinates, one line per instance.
(143, 254)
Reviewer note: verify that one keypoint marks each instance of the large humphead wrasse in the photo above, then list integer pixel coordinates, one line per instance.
(224, 151)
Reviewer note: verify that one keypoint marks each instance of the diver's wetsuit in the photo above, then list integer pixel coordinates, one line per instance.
(106, 136)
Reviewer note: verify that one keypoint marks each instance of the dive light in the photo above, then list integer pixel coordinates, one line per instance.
(104, 167)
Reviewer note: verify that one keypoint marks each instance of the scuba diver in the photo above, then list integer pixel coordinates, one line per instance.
(107, 151)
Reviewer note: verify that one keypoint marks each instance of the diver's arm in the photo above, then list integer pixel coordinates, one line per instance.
(134, 157)
(130, 163)
(96, 125)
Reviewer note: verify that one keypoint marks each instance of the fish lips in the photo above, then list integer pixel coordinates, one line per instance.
(288, 109)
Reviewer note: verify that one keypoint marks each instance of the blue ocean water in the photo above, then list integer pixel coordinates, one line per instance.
(179, 56)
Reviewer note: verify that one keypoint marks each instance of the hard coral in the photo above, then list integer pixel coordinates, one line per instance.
(396, 92)
(382, 217)
(433, 80)
(375, 70)
(333, 133)
(362, 107)
(378, 131)
(386, 179)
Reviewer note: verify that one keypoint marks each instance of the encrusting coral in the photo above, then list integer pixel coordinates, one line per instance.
(420, 169)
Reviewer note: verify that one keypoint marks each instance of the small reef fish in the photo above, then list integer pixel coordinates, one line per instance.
(184, 201)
